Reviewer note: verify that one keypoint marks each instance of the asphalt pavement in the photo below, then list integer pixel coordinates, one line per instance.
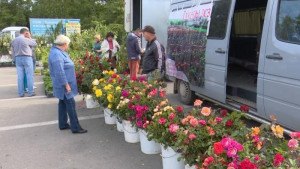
(30, 138)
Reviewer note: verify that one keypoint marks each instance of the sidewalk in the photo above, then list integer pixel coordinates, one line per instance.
(30, 138)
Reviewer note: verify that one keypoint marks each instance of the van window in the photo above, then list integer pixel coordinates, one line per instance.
(17, 33)
(288, 21)
(219, 17)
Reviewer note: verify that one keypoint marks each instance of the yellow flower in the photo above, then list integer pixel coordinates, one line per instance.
(277, 130)
(114, 81)
(105, 72)
(101, 80)
(108, 87)
(98, 93)
(111, 72)
(94, 88)
(95, 82)
(110, 98)
(255, 131)
(109, 106)
(118, 88)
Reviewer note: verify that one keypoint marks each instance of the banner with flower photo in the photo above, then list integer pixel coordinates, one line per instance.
(187, 37)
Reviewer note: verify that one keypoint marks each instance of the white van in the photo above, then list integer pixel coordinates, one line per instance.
(13, 31)
(236, 52)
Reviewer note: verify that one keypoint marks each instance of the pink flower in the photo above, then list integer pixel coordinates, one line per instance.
(202, 122)
(256, 158)
(223, 113)
(125, 93)
(173, 128)
(233, 165)
(192, 136)
(171, 116)
(162, 120)
(145, 125)
(278, 159)
(226, 142)
(179, 109)
(293, 143)
(185, 132)
(137, 97)
(206, 111)
(138, 115)
(142, 79)
(218, 119)
(256, 139)
(146, 108)
(110, 80)
(139, 124)
(295, 135)
(198, 103)
(194, 122)
(232, 151)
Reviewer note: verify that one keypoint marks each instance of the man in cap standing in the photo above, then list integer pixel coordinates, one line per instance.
(154, 56)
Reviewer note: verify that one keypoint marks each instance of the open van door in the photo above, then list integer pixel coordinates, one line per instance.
(281, 79)
(216, 56)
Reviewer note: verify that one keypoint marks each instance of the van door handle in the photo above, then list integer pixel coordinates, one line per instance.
(219, 50)
(275, 56)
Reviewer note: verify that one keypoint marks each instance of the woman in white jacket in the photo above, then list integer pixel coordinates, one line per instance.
(109, 49)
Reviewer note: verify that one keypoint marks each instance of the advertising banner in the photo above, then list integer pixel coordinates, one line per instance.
(187, 37)
(40, 26)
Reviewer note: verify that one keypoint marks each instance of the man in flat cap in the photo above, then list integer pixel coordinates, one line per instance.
(154, 56)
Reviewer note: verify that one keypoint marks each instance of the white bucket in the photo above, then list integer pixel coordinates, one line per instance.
(120, 127)
(90, 102)
(148, 147)
(130, 133)
(169, 159)
(108, 117)
(190, 167)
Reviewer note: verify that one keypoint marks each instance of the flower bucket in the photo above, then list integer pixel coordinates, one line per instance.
(90, 102)
(169, 159)
(190, 167)
(130, 133)
(148, 147)
(108, 117)
(120, 127)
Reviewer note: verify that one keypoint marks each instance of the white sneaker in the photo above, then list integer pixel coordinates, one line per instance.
(34, 87)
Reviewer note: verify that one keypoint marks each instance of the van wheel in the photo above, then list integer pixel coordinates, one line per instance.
(186, 95)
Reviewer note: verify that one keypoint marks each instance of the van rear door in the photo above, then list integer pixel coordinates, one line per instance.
(281, 66)
(217, 51)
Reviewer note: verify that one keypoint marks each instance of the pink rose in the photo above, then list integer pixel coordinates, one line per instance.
(226, 142)
(173, 128)
(202, 122)
(256, 158)
(139, 124)
(232, 151)
(171, 116)
(295, 135)
(293, 143)
(194, 122)
(162, 120)
(192, 136)
(218, 119)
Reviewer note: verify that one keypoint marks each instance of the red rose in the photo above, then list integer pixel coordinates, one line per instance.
(134, 78)
(79, 81)
(229, 123)
(179, 109)
(223, 113)
(114, 75)
(162, 94)
(247, 164)
(218, 148)
(85, 58)
(97, 58)
(81, 77)
(126, 73)
(244, 108)
(100, 66)
(81, 62)
(76, 74)
(278, 159)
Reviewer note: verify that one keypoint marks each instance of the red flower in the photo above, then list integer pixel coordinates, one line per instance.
(85, 58)
(86, 53)
(81, 62)
(100, 66)
(82, 70)
(223, 113)
(81, 77)
(278, 159)
(179, 109)
(126, 74)
(244, 108)
(79, 81)
(246, 164)
(97, 58)
(120, 79)
(162, 94)
(218, 148)
(229, 124)
(76, 74)
(134, 78)
(114, 75)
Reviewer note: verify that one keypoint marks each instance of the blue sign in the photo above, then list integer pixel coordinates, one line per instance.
(40, 26)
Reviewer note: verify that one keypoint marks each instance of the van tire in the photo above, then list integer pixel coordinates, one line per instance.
(186, 95)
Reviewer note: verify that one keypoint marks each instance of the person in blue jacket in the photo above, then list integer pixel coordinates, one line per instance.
(62, 72)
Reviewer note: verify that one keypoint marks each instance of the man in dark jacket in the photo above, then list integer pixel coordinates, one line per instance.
(154, 58)
(134, 51)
